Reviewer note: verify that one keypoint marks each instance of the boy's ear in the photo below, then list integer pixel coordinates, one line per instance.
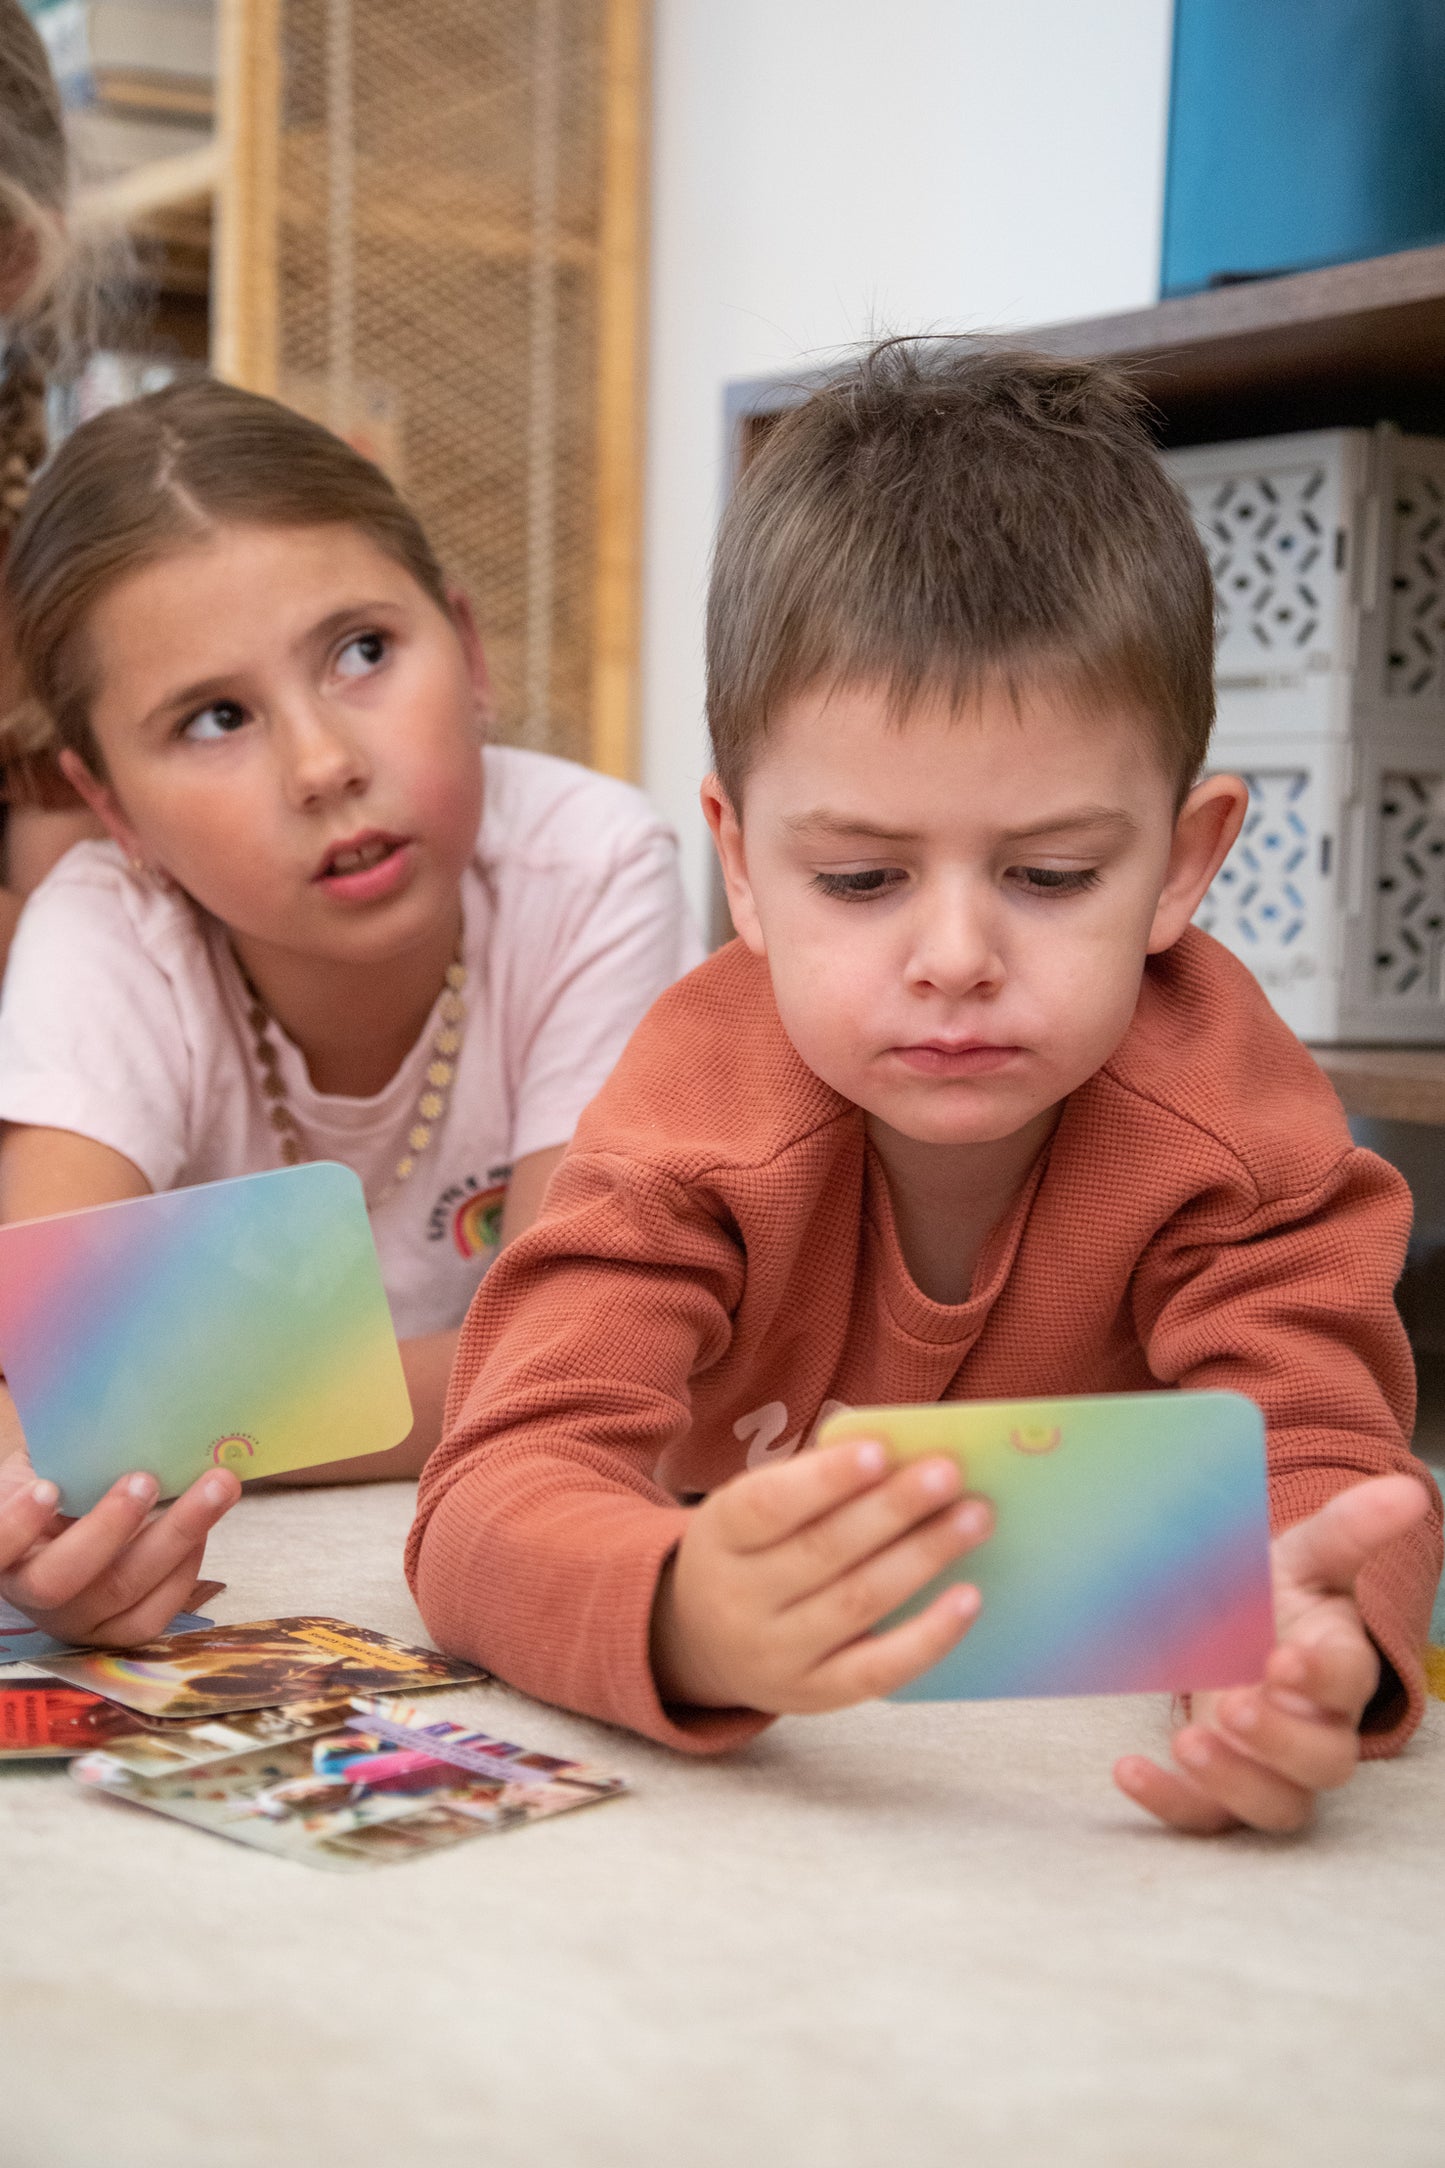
(1204, 832)
(103, 803)
(474, 654)
(727, 834)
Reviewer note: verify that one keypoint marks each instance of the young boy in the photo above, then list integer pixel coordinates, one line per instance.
(967, 1111)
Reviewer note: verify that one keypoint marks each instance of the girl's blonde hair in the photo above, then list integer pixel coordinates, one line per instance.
(52, 283)
(143, 481)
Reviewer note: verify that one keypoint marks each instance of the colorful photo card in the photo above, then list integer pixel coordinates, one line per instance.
(1131, 1548)
(391, 1784)
(239, 1324)
(258, 1666)
(55, 1723)
(23, 1642)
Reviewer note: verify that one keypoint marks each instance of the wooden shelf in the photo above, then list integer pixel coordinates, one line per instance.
(1389, 1083)
(1344, 347)
(164, 185)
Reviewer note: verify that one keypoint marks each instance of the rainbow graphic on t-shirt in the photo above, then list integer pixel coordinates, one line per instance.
(477, 1222)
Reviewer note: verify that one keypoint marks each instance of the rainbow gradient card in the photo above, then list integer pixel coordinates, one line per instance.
(1130, 1553)
(240, 1323)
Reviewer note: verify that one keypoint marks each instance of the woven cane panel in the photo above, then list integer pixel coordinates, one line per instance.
(1410, 888)
(1268, 549)
(1257, 903)
(440, 199)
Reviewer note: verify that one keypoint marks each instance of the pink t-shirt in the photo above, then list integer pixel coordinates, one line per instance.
(124, 1019)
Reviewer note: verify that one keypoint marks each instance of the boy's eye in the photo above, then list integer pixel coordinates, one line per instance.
(1055, 880)
(362, 654)
(858, 887)
(220, 720)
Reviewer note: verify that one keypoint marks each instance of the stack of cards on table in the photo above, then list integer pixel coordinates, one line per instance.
(290, 1735)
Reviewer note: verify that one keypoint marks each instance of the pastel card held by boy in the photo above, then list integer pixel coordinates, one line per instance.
(968, 1111)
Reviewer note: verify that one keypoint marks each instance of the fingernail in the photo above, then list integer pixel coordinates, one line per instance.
(870, 1458)
(1192, 1749)
(965, 1599)
(939, 1479)
(1241, 1715)
(44, 1494)
(215, 1490)
(142, 1487)
(971, 1520)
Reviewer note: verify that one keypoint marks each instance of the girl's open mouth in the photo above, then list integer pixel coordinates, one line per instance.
(365, 867)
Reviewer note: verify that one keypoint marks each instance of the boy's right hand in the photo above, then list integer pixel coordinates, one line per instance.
(769, 1599)
(113, 1577)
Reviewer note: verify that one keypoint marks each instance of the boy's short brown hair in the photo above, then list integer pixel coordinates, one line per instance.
(943, 513)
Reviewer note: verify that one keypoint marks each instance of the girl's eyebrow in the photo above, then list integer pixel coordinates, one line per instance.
(317, 635)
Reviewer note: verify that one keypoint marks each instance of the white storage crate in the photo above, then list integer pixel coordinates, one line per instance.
(1328, 554)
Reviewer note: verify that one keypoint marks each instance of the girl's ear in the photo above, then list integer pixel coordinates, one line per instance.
(475, 655)
(103, 803)
(1204, 832)
(727, 834)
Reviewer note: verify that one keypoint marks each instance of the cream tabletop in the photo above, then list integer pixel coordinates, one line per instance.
(891, 1937)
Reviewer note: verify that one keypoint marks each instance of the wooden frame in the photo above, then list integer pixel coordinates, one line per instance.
(621, 379)
(244, 334)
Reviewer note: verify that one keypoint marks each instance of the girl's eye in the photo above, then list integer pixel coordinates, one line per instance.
(220, 720)
(859, 887)
(362, 654)
(1055, 880)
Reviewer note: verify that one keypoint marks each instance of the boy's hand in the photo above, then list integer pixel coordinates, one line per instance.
(114, 1576)
(1256, 1755)
(768, 1601)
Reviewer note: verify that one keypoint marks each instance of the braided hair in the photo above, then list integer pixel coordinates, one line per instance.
(36, 286)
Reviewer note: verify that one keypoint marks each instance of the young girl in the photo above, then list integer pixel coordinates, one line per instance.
(328, 924)
(49, 288)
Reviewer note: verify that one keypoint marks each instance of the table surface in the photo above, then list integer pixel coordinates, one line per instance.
(1389, 1083)
(900, 1935)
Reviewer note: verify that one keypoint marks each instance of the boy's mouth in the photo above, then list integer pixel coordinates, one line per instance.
(364, 866)
(955, 1057)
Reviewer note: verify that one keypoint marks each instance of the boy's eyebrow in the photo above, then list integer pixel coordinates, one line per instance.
(822, 822)
(1078, 816)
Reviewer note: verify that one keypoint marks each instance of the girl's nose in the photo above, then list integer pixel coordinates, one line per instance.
(320, 759)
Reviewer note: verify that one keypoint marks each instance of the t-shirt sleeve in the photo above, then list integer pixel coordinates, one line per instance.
(1290, 1299)
(620, 940)
(91, 1036)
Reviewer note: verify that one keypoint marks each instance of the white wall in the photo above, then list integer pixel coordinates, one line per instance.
(827, 168)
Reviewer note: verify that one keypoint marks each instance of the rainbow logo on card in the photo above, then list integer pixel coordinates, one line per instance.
(1130, 1553)
(240, 1325)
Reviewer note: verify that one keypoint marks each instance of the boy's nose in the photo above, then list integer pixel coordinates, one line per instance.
(956, 951)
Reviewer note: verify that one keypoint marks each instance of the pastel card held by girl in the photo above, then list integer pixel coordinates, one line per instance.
(239, 1324)
(1130, 1552)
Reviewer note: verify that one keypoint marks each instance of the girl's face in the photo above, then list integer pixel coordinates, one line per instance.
(291, 729)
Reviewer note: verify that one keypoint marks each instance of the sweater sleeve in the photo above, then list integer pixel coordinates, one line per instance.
(541, 1528)
(1290, 1299)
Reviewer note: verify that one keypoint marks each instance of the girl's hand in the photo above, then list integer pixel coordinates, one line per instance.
(1257, 1755)
(769, 1600)
(114, 1576)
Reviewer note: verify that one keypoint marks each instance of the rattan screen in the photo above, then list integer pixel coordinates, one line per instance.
(440, 204)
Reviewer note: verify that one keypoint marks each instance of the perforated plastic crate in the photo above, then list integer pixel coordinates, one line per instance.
(1328, 554)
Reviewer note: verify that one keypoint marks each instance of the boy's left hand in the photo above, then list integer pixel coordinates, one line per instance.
(1256, 1755)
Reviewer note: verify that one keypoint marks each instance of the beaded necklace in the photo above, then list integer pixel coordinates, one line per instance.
(431, 1103)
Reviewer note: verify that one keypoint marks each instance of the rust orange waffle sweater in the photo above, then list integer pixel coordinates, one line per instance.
(717, 1260)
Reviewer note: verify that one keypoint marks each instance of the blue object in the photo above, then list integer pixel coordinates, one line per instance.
(1301, 132)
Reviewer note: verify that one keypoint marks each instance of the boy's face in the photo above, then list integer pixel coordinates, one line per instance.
(956, 909)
